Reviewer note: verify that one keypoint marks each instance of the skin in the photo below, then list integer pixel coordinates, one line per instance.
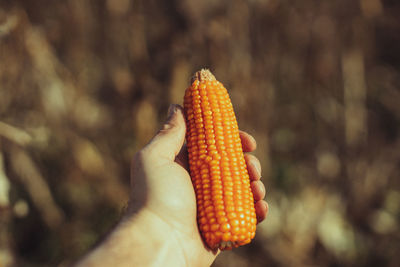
(159, 227)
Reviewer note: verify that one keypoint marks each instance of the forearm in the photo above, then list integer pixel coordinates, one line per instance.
(137, 241)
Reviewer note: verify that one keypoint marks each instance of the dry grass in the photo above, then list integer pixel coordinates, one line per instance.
(84, 84)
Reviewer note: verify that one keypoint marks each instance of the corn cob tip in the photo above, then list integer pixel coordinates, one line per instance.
(203, 75)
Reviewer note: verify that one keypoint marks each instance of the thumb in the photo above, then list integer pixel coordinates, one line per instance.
(169, 140)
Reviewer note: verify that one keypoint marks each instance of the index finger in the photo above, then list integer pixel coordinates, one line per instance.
(248, 142)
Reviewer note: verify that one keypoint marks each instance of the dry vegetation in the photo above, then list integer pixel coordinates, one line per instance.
(84, 84)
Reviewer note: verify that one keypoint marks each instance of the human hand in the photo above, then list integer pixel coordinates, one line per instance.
(163, 194)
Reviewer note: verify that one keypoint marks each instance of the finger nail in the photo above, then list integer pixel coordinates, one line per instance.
(171, 110)
(170, 114)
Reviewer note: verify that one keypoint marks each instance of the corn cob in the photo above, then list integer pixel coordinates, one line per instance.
(225, 206)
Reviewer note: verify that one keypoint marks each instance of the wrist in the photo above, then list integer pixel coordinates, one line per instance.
(138, 240)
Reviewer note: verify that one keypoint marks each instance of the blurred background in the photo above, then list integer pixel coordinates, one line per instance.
(84, 84)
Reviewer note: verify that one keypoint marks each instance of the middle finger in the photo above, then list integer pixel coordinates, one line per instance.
(253, 167)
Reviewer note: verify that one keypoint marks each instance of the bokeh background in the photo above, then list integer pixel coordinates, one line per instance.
(84, 84)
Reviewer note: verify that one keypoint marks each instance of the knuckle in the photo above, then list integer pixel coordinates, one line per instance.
(147, 153)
